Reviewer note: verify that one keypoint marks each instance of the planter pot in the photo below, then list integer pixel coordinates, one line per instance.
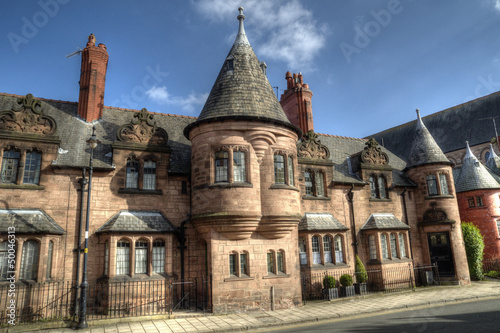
(331, 293)
(347, 291)
(361, 288)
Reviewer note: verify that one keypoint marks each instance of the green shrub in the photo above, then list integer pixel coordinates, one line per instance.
(474, 246)
(329, 282)
(346, 280)
(492, 274)
(361, 275)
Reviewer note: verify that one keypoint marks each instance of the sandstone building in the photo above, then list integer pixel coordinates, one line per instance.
(246, 194)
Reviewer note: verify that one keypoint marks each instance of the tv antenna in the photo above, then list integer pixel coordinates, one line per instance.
(494, 124)
(75, 53)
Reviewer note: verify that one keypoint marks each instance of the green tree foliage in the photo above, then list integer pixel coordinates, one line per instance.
(474, 246)
(361, 275)
(329, 282)
(346, 280)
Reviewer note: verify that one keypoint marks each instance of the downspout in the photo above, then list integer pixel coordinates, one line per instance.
(83, 182)
(181, 236)
(403, 194)
(350, 197)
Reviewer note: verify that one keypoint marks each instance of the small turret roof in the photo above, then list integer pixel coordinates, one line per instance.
(493, 161)
(473, 175)
(242, 90)
(424, 149)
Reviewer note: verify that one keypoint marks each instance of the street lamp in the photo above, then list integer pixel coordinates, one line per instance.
(82, 322)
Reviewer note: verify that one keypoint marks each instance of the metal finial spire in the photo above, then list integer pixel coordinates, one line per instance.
(468, 151)
(241, 38)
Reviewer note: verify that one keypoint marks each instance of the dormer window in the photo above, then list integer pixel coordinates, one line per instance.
(378, 187)
(230, 63)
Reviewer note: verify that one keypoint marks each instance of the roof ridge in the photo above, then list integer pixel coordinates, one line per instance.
(40, 98)
(342, 137)
(154, 112)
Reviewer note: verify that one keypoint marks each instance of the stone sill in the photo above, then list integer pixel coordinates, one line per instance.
(480, 207)
(230, 185)
(329, 266)
(137, 191)
(284, 187)
(311, 197)
(29, 187)
(380, 200)
(432, 197)
(136, 277)
(238, 278)
(274, 276)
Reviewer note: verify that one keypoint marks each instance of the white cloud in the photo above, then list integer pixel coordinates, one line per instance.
(497, 5)
(188, 104)
(278, 30)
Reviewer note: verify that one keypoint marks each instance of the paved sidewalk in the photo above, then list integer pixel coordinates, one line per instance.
(311, 312)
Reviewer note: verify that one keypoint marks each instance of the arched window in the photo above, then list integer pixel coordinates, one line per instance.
(302, 251)
(309, 182)
(159, 256)
(383, 245)
(320, 185)
(244, 264)
(373, 187)
(4, 260)
(232, 264)
(432, 185)
(221, 165)
(394, 246)
(239, 174)
(280, 261)
(29, 260)
(372, 247)
(443, 184)
(123, 257)
(10, 162)
(141, 257)
(315, 250)
(339, 253)
(291, 181)
(279, 169)
(50, 253)
(327, 249)
(402, 247)
(271, 268)
(132, 176)
(381, 188)
(149, 177)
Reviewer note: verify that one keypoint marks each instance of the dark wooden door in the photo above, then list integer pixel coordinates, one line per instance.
(440, 251)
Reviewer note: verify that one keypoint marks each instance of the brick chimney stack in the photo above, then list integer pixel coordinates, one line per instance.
(92, 80)
(296, 102)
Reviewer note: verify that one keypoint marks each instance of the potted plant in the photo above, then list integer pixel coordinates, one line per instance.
(329, 291)
(361, 277)
(347, 288)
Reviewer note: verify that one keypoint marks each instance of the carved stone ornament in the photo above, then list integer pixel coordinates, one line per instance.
(435, 214)
(27, 117)
(143, 130)
(372, 154)
(310, 147)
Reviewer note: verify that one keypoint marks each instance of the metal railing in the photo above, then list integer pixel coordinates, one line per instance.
(491, 265)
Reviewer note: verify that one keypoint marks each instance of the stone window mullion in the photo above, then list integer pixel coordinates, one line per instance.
(230, 164)
(1, 156)
(131, 270)
(140, 180)
(20, 167)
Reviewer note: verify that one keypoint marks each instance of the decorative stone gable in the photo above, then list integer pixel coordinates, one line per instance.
(310, 147)
(435, 215)
(372, 154)
(142, 130)
(27, 117)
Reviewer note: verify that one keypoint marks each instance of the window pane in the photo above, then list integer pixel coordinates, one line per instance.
(327, 249)
(394, 251)
(373, 187)
(4, 257)
(279, 259)
(290, 172)
(232, 264)
(479, 201)
(32, 168)
(270, 262)
(471, 202)
(309, 184)
(432, 185)
(10, 162)
(320, 185)
(444, 184)
(122, 257)
(243, 264)
(50, 252)
(159, 256)
(29, 260)
(132, 176)
(239, 167)
(339, 255)
(302, 251)
(373, 247)
(383, 244)
(141, 257)
(149, 178)
(381, 187)
(498, 227)
(315, 250)
(279, 169)
(402, 248)
(106, 258)
(221, 166)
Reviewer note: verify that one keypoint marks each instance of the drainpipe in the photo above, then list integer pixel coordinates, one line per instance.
(350, 197)
(403, 194)
(181, 237)
(83, 182)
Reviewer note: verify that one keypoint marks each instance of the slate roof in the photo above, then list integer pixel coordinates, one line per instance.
(341, 148)
(137, 221)
(242, 92)
(74, 133)
(450, 128)
(474, 175)
(424, 150)
(493, 162)
(28, 221)
(383, 221)
(320, 221)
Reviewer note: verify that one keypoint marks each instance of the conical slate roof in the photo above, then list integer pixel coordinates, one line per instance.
(424, 149)
(242, 90)
(493, 162)
(473, 175)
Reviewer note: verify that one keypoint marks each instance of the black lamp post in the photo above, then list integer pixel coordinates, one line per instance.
(82, 322)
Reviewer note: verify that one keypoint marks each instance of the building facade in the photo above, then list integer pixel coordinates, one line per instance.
(246, 194)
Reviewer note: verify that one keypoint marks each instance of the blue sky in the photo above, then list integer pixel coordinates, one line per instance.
(370, 64)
